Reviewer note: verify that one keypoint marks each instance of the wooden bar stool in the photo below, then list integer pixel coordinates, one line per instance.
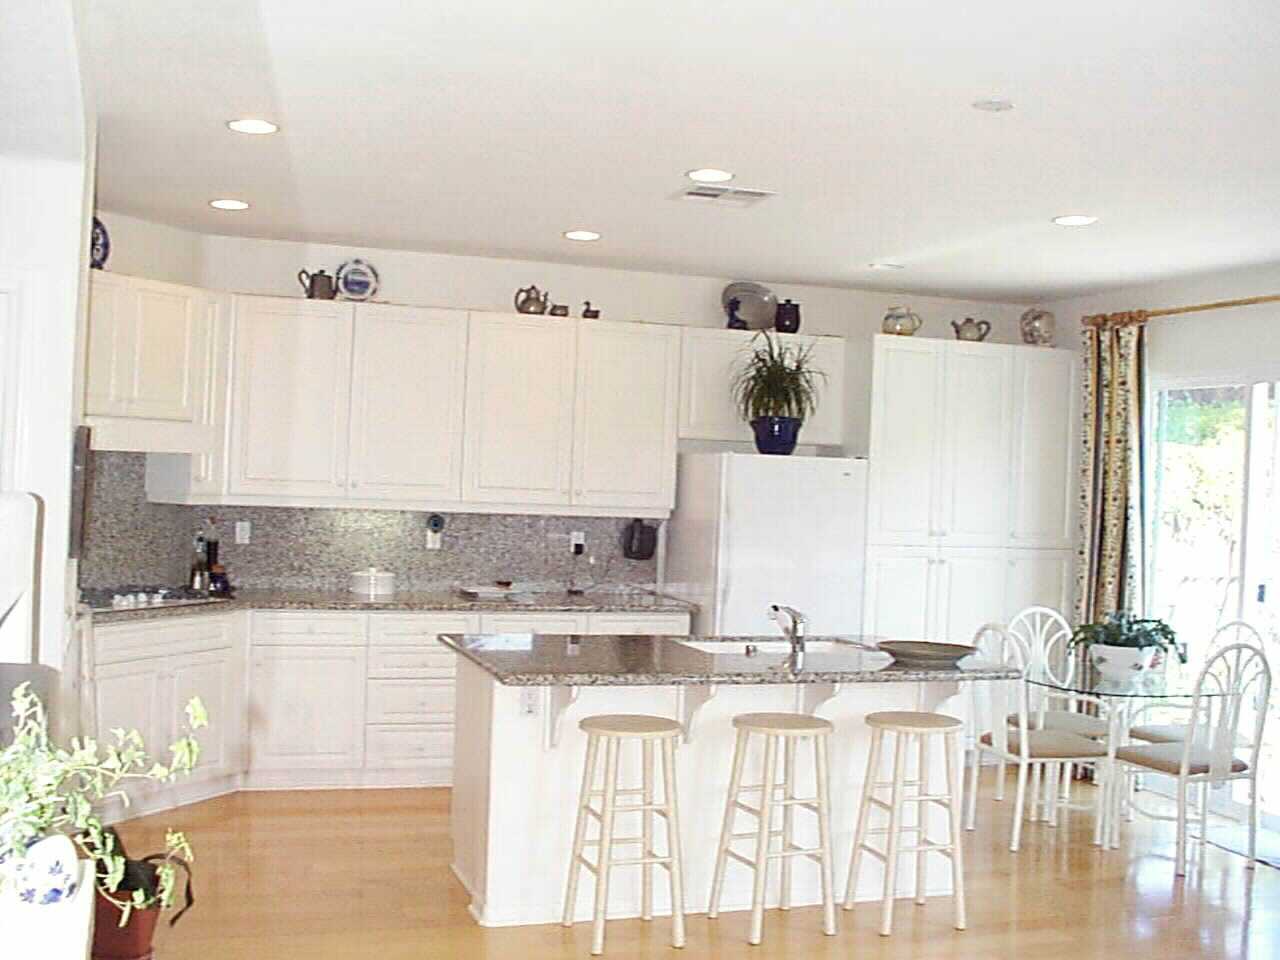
(922, 726)
(612, 730)
(787, 729)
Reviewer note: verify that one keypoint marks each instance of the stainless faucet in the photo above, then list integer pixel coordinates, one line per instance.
(792, 626)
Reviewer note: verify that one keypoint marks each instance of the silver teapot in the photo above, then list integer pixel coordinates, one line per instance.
(971, 329)
(532, 300)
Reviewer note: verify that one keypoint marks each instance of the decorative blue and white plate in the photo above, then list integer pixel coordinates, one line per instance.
(99, 245)
(46, 875)
(357, 280)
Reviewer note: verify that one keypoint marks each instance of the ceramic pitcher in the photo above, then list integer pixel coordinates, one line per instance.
(901, 321)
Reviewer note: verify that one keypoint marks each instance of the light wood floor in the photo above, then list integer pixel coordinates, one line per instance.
(365, 874)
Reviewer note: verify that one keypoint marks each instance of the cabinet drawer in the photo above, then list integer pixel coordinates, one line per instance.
(642, 624)
(170, 636)
(410, 701)
(408, 745)
(324, 628)
(532, 623)
(411, 661)
(407, 628)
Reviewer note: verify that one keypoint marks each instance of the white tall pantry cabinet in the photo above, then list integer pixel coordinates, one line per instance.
(971, 500)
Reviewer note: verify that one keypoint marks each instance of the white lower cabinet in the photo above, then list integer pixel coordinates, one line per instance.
(946, 594)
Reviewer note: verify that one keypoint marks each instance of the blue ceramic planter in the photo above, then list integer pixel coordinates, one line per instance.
(777, 435)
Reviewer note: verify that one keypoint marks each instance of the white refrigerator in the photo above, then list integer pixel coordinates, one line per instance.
(751, 530)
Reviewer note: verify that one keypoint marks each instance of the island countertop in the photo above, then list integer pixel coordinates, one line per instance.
(540, 660)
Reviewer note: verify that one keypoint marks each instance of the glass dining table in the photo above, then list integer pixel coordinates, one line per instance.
(1168, 688)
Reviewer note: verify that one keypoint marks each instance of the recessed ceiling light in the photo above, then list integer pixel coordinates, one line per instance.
(885, 266)
(709, 175)
(583, 235)
(1075, 220)
(992, 104)
(247, 125)
(228, 204)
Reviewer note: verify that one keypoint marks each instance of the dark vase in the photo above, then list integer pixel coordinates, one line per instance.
(787, 319)
(130, 942)
(776, 434)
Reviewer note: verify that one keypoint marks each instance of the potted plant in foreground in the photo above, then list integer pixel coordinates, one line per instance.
(49, 802)
(776, 389)
(1121, 646)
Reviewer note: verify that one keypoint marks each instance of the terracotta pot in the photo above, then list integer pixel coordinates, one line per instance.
(130, 942)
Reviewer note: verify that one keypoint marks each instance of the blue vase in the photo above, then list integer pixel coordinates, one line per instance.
(776, 435)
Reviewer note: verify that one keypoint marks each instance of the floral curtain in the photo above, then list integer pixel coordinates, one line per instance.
(1110, 558)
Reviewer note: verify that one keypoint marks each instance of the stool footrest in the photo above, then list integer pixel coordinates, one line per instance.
(632, 861)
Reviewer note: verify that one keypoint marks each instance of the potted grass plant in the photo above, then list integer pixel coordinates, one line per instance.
(776, 389)
(54, 847)
(1122, 646)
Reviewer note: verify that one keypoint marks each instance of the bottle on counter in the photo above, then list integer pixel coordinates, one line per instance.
(200, 565)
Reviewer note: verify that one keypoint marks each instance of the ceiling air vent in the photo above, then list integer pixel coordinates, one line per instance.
(723, 195)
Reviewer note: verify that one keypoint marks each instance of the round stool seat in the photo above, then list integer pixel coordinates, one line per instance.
(913, 721)
(631, 725)
(782, 724)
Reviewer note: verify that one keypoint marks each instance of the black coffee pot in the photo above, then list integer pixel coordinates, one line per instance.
(787, 319)
(318, 285)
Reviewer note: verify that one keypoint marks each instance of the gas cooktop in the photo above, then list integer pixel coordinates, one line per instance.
(132, 595)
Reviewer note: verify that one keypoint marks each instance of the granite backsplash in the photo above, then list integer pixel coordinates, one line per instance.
(130, 540)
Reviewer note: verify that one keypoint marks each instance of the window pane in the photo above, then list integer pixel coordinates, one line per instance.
(1198, 509)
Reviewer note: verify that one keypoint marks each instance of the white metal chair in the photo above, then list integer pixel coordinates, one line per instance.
(1229, 709)
(1016, 740)
(1237, 631)
(1047, 636)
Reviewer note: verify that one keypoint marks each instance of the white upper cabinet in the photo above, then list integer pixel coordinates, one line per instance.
(1046, 423)
(903, 479)
(290, 397)
(973, 492)
(148, 362)
(971, 444)
(624, 439)
(709, 360)
(519, 409)
(407, 402)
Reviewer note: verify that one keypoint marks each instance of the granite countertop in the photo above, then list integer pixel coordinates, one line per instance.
(410, 601)
(527, 660)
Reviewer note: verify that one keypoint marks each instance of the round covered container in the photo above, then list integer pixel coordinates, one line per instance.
(373, 582)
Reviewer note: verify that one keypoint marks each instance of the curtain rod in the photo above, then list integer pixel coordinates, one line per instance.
(1216, 305)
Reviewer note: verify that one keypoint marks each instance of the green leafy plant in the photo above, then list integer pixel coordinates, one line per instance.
(46, 790)
(777, 380)
(1122, 629)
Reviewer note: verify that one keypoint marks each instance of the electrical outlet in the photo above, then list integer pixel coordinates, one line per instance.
(244, 531)
(577, 543)
(433, 540)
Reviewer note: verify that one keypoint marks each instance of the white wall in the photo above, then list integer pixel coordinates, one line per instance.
(246, 265)
(45, 158)
(1218, 345)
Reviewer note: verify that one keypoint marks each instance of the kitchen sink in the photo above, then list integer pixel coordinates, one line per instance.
(747, 648)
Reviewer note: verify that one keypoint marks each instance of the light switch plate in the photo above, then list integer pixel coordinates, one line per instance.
(244, 531)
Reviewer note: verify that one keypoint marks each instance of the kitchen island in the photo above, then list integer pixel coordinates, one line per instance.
(518, 752)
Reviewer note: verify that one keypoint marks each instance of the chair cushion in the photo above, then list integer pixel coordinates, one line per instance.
(1160, 732)
(1167, 758)
(1051, 745)
(1081, 724)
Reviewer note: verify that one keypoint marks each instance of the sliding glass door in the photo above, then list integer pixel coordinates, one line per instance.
(1213, 495)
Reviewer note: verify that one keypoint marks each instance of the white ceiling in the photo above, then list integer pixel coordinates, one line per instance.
(489, 127)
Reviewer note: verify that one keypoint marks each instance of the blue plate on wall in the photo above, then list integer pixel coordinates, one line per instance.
(357, 280)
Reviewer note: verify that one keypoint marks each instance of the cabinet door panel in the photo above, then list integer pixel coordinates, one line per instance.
(410, 701)
(132, 696)
(406, 402)
(974, 475)
(519, 434)
(709, 360)
(971, 590)
(291, 397)
(307, 707)
(624, 449)
(216, 678)
(108, 377)
(900, 592)
(1039, 578)
(1046, 404)
(905, 430)
(167, 342)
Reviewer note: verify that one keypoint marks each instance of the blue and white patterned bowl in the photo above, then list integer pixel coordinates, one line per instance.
(45, 876)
